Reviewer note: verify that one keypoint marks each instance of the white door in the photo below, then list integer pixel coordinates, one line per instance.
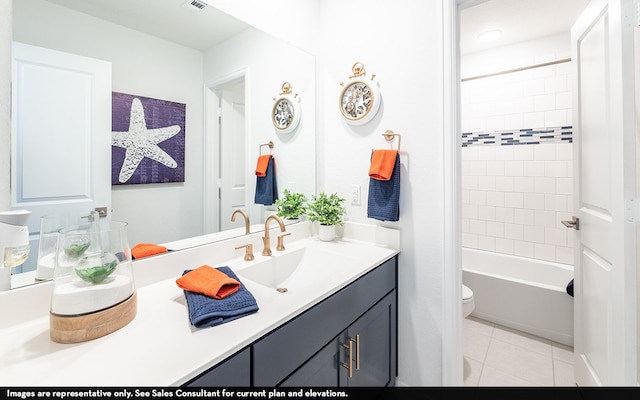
(604, 168)
(232, 154)
(61, 134)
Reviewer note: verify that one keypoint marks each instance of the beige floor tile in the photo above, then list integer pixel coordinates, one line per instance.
(520, 362)
(494, 377)
(562, 352)
(472, 370)
(522, 339)
(475, 345)
(495, 355)
(563, 373)
(478, 326)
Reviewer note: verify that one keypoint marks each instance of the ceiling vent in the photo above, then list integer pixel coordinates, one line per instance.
(194, 5)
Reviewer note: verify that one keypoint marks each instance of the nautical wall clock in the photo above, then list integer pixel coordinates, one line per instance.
(360, 97)
(285, 113)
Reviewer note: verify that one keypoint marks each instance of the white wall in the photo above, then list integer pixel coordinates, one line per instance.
(146, 66)
(5, 104)
(514, 196)
(268, 63)
(294, 21)
(516, 55)
(402, 43)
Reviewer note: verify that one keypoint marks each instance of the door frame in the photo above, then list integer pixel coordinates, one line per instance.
(452, 353)
(211, 141)
(452, 279)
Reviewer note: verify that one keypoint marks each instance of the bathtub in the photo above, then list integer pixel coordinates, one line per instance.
(521, 293)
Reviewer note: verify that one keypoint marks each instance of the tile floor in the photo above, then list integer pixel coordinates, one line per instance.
(495, 355)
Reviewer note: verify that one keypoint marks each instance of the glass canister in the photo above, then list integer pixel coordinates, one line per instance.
(50, 225)
(93, 275)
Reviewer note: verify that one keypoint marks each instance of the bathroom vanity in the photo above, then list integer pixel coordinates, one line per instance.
(348, 339)
(340, 300)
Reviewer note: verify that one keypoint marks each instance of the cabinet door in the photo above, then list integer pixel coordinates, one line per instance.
(297, 341)
(373, 347)
(320, 371)
(235, 371)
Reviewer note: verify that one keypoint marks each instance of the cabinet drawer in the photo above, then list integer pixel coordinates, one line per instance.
(280, 352)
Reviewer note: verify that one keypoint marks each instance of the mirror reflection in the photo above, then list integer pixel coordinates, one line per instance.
(227, 79)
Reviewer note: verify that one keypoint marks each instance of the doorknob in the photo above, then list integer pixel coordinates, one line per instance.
(574, 223)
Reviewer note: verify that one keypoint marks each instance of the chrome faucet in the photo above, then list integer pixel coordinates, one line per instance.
(266, 251)
(246, 219)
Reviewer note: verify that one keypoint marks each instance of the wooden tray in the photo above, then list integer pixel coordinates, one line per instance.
(81, 328)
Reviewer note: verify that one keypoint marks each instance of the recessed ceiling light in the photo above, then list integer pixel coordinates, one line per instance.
(490, 36)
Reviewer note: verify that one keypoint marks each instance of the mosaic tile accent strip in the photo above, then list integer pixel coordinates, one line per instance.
(562, 134)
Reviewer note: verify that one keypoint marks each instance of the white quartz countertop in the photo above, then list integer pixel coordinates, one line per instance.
(160, 347)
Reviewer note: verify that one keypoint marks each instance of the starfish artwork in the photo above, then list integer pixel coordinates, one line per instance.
(147, 139)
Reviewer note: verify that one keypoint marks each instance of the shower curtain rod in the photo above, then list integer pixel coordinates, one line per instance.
(564, 60)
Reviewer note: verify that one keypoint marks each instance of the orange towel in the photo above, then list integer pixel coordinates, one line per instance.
(382, 164)
(147, 249)
(208, 281)
(263, 163)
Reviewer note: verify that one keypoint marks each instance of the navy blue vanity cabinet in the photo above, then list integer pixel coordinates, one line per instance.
(312, 349)
(235, 371)
(370, 343)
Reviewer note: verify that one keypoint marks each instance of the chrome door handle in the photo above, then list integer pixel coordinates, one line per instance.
(573, 224)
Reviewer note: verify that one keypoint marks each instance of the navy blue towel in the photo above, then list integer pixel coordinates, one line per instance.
(206, 311)
(384, 196)
(266, 188)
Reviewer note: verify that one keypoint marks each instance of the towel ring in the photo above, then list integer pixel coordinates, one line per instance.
(389, 135)
(270, 145)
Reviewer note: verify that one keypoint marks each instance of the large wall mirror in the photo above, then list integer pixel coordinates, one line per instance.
(205, 59)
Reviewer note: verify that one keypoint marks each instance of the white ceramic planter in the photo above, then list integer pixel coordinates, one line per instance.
(326, 233)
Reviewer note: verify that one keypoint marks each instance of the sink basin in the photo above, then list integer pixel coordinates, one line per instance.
(296, 268)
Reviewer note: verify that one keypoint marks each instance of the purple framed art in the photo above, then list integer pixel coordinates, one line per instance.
(148, 140)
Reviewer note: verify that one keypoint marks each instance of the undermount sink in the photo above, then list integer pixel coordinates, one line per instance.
(296, 268)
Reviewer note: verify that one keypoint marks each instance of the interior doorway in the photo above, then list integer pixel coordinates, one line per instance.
(499, 222)
(225, 160)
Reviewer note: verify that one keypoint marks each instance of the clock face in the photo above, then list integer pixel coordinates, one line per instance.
(285, 114)
(358, 102)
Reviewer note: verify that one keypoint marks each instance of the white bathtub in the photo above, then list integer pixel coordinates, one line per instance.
(521, 293)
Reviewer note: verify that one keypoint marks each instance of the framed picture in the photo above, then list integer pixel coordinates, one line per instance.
(148, 140)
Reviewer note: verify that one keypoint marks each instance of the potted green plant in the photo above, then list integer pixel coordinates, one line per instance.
(291, 206)
(328, 211)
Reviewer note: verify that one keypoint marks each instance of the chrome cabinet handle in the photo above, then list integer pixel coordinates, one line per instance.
(573, 224)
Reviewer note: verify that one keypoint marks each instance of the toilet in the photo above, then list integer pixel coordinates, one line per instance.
(467, 301)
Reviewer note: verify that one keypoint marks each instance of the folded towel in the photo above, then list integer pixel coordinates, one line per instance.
(263, 163)
(384, 196)
(147, 249)
(382, 164)
(266, 187)
(208, 281)
(205, 311)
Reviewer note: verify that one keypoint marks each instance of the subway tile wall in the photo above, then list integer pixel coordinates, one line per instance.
(517, 163)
